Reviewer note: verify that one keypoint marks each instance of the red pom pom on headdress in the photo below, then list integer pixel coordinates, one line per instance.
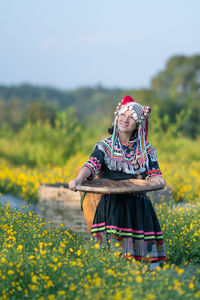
(127, 99)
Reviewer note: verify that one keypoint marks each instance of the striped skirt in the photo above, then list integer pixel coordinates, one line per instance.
(128, 223)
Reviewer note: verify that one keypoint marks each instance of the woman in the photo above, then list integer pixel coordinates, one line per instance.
(126, 222)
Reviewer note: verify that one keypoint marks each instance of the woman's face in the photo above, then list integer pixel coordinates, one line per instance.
(126, 123)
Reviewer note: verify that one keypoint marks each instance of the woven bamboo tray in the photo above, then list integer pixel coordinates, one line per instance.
(108, 186)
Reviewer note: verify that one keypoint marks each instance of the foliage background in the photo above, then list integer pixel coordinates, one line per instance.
(45, 134)
(174, 93)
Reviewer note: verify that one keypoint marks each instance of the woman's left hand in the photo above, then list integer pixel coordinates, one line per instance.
(158, 180)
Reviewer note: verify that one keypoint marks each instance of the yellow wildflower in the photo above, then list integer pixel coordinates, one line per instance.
(34, 279)
(138, 279)
(43, 252)
(10, 272)
(34, 287)
(78, 252)
(191, 285)
(61, 293)
(51, 297)
(72, 287)
(179, 270)
(19, 248)
(150, 296)
(50, 284)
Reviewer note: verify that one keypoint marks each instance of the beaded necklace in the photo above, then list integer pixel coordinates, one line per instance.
(131, 157)
(129, 144)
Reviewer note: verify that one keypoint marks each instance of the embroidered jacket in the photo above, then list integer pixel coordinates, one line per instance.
(124, 159)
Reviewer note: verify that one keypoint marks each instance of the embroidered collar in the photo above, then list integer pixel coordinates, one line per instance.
(124, 142)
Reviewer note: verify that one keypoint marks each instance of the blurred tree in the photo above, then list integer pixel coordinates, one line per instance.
(3, 112)
(175, 90)
(180, 78)
(40, 111)
(179, 88)
(15, 113)
(191, 127)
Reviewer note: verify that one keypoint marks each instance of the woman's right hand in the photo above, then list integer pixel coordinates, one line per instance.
(74, 183)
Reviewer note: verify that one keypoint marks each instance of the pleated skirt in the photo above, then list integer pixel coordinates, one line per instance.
(128, 224)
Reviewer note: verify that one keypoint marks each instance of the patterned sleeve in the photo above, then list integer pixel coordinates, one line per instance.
(94, 163)
(153, 168)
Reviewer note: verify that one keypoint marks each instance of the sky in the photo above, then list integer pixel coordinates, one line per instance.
(70, 44)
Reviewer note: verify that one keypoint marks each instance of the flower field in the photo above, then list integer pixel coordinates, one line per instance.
(30, 158)
(25, 181)
(39, 261)
(184, 181)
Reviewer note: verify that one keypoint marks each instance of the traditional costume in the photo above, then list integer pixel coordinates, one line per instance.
(127, 222)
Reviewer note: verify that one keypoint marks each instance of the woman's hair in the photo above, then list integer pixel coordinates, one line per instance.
(133, 135)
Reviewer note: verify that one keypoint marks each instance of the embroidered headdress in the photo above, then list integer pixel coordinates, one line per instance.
(140, 115)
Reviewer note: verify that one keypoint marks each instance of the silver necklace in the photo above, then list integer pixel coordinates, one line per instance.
(128, 142)
(130, 156)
